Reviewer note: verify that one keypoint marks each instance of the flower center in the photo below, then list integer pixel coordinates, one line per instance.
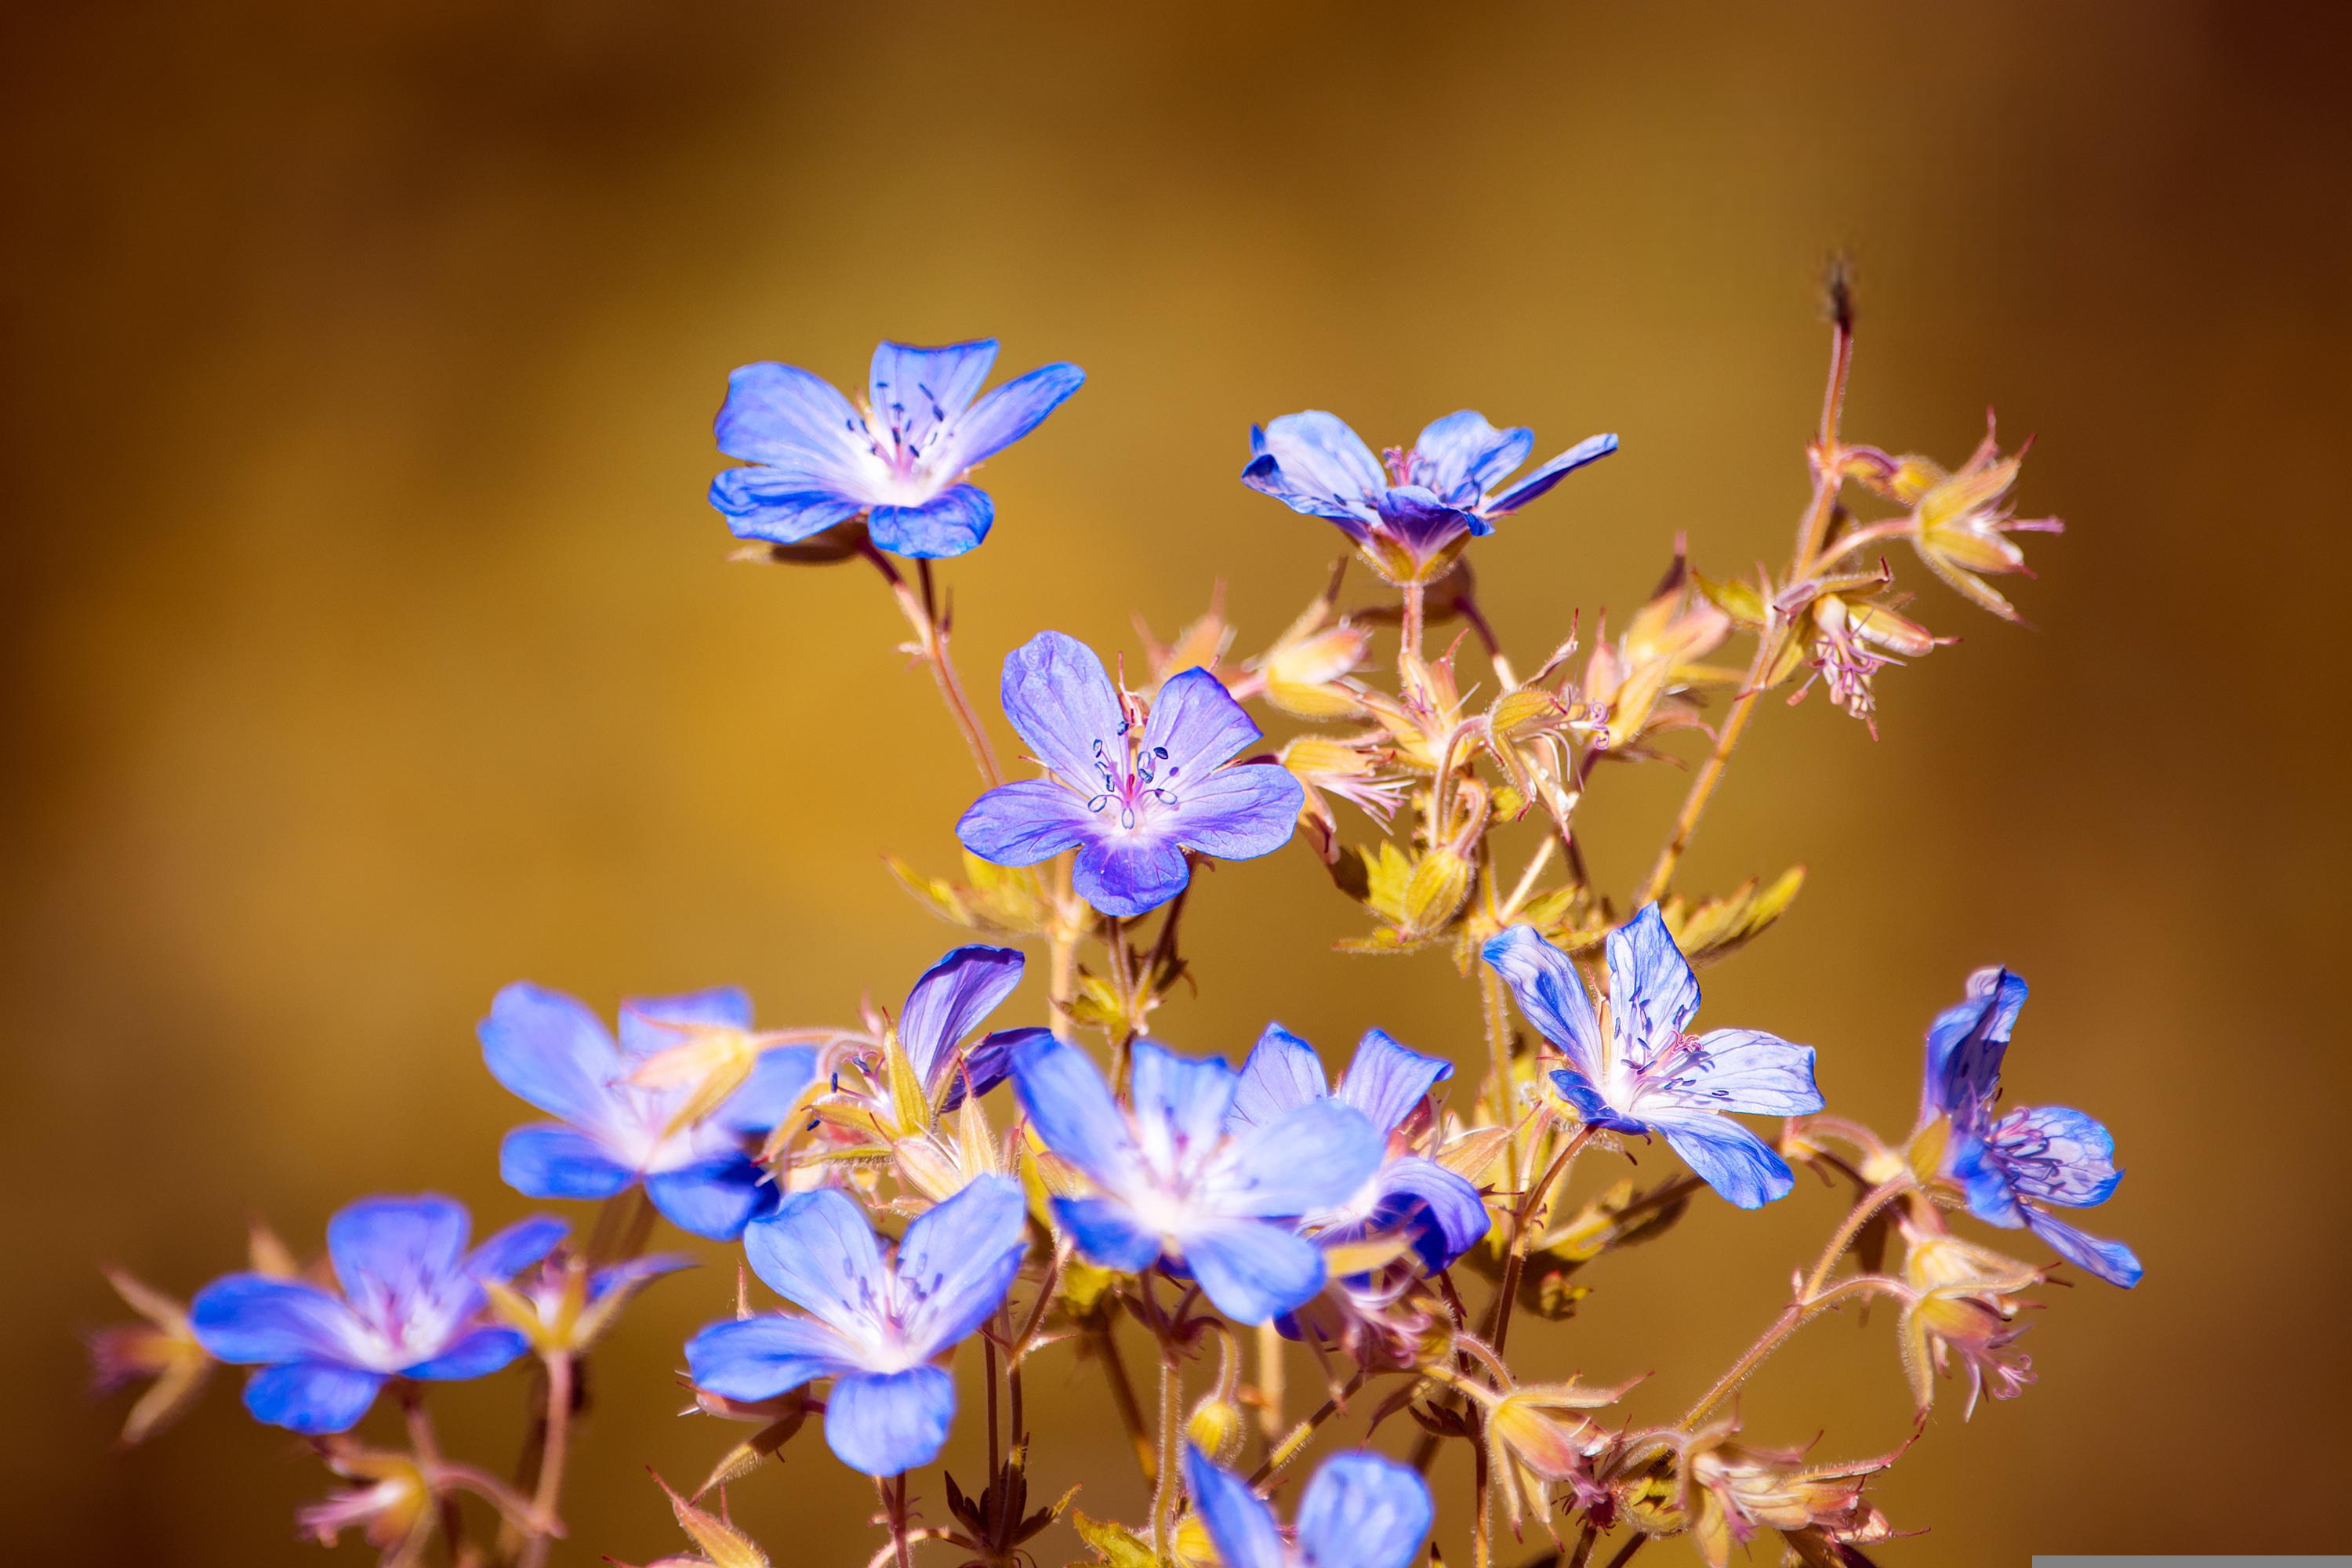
(1134, 777)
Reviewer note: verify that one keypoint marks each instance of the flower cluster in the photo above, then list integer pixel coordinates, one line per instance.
(1073, 1185)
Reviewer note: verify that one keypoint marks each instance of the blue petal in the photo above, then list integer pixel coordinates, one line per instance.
(1588, 1103)
(1237, 813)
(2057, 1155)
(406, 1244)
(1253, 1270)
(1283, 1073)
(1591, 449)
(767, 1096)
(1416, 518)
(651, 1025)
(1986, 1179)
(948, 524)
(1130, 875)
(1070, 1107)
(1318, 464)
(1304, 1160)
(515, 1249)
(1462, 457)
(1107, 1233)
(784, 416)
(1060, 701)
(1746, 1070)
(951, 999)
(1965, 1044)
(1023, 823)
(917, 391)
(781, 508)
(1438, 1209)
(1007, 414)
(1179, 1104)
(633, 1273)
(1240, 1525)
(552, 1052)
(768, 1355)
(553, 1161)
(311, 1396)
(885, 1423)
(1550, 992)
(1194, 724)
(1726, 1156)
(478, 1354)
(1653, 994)
(957, 1262)
(1362, 1511)
(817, 1251)
(986, 1064)
(1386, 1081)
(2110, 1261)
(715, 1197)
(254, 1318)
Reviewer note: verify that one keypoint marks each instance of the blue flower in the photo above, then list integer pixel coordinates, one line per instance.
(1360, 1511)
(901, 458)
(952, 1000)
(1439, 1210)
(410, 1305)
(878, 1322)
(1178, 1189)
(553, 1052)
(1412, 519)
(1648, 1076)
(1131, 805)
(2035, 1155)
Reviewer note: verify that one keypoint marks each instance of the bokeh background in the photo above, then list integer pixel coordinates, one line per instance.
(368, 643)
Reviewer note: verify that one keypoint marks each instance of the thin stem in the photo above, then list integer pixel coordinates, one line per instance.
(893, 1493)
(1769, 643)
(1270, 1371)
(1414, 613)
(930, 645)
(428, 1448)
(1122, 1395)
(1532, 1204)
(1794, 1316)
(1290, 1446)
(1063, 934)
(1585, 1539)
(552, 1459)
(1877, 1198)
(1481, 1521)
(1625, 1552)
(1163, 1491)
(988, 1375)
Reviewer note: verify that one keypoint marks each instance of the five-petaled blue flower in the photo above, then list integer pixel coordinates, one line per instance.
(411, 1306)
(1132, 805)
(1412, 519)
(2034, 1155)
(1646, 1075)
(1439, 1210)
(555, 1053)
(1361, 1511)
(901, 458)
(878, 1322)
(952, 1000)
(1178, 1188)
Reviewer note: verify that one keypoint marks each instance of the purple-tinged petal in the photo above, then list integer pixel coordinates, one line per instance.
(1985, 1178)
(1387, 1079)
(1179, 1104)
(2110, 1261)
(948, 524)
(478, 1354)
(766, 1097)
(1726, 1156)
(650, 1024)
(1252, 1270)
(950, 1001)
(985, 1066)
(715, 1197)
(1070, 1107)
(1550, 992)
(1590, 1105)
(1460, 456)
(313, 1397)
(1317, 457)
(1591, 449)
(782, 416)
(1282, 1074)
(764, 1356)
(2057, 1155)
(1006, 415)
(1025, 822)
(918, 392)
(1107, 1234)
(778, 507)
(1240, 1524)
(1194, 725)
(396, 1246)
(1966, 1045)
(958, 1260)
(249, 1318)
(1304, 1160)
(1128, 875)
(1238, 812)
(1438, 1209)
(1265, 475)
(1746, 1070)
(552, 1052)
(1416, 518)
(817, 1252)
(889, 1423)
(633, 1273)
(1653, 994)
(1362, 1511)
(515, 1249)
(1060, 701)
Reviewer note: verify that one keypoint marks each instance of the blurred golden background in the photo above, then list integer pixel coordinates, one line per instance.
(369, 645)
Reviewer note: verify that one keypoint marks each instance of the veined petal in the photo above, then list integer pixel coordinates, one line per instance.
(1460, 456)
(1107, 1234)
(515, 1249)
(1240, 1524)
(1007, 414)
(1179, 1104)
(715, 1197)
(764, 1356)
(1253, 1270)
(313, 1397)
(1029, 820)
(1387, 1079)
(400, 1246)
(1740, 1070)
(2110, 1261)
(1070, 1107)
(1282, 1074)
(817, 1252)
(1362, 1511)
(1423, 523)
(917, 391)
(2057, 1155)
(985, 1066)
(1591, 449)
(1317, 457)
(1312, 1158)
(1194, 725)
(957, 1262)
(1550, 992)
(1590, 1104)
(784, 416)
(1438, 1209)
(947, 525)
(1059, 699)
(1130, 873)
(885, 1423)
(478, 1354)
(1966, 1045)
(951, 999)
(551, 1052)
(1726, 1156)
(779, 506)
(767, 1096)
(1237, 813)
(248, 1318)
(654, 1024)
(1653, 994)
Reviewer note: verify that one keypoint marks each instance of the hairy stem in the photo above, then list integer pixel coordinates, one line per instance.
(930, 645)
(1163, 1491)
(1295, 1440)
(1794, 1316)
(1528, 1220)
